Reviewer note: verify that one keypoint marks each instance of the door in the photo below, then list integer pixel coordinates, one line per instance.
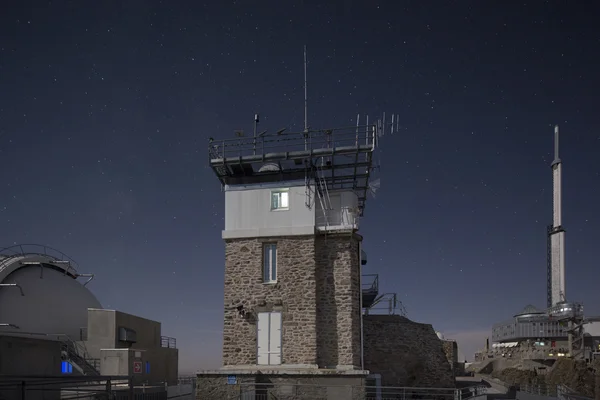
(269, 338)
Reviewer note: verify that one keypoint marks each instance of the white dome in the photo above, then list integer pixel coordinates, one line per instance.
(53, 302)
(440, 335)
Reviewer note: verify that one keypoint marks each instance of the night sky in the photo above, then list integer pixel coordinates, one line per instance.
(106, 108)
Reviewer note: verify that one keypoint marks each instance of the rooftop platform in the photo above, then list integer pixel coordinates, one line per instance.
(332, 159)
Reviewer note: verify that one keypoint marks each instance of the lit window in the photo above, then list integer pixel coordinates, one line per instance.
(280, 200)
(147, 367)
(66, 367)
(270, 263)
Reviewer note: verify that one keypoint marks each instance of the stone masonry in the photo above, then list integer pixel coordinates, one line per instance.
(317, 291)
(405, 353)
(316, 386)
(294, 295)
(338, 301)
(451, 352)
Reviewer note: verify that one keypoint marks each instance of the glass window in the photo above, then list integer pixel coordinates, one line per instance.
(280, 200)
(270, 262)
(66, 367)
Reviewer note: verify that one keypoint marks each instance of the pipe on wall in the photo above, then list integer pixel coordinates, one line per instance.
(362, 343)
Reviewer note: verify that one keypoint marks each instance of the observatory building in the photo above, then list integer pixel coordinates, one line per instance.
(296, 305)
(52, 324)
(561, 330)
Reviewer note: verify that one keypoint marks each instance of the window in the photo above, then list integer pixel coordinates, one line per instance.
(270, 263)
(280, 200)
(66, 367)
(269, 338)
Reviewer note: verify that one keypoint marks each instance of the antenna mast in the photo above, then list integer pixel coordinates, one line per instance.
(305, 94)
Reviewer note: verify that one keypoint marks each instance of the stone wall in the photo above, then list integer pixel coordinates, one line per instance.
(338, 301)
(317, 291)
(294, 295)
(405, 353)
(451, 351)
(318, 386)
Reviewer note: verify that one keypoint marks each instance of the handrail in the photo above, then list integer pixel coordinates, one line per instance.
(11, 252)
(326, 138)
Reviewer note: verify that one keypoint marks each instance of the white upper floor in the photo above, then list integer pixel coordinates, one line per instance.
(286, 209)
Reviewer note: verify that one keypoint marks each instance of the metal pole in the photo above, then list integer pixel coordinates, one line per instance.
(305, 102)
(255, 129)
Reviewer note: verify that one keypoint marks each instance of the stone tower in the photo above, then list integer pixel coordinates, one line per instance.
(292, 251)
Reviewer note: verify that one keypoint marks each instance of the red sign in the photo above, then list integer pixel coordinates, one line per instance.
(137, 367)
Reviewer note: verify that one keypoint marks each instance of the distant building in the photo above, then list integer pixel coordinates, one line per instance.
(52, 324)
(537, 335)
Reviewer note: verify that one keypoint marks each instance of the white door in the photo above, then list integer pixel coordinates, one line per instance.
(269, 338)
(275, 339)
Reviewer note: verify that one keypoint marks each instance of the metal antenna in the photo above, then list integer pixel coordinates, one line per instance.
(305, 93)
(256, 120)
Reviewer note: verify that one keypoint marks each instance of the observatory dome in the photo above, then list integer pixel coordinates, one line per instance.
(269, 167)
(529, 311)
(50, 300)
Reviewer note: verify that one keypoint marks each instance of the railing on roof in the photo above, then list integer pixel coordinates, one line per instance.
(267, 391)
(291, 145)
(370, 289)
(168, 342)
(340, 158)
(20, 250)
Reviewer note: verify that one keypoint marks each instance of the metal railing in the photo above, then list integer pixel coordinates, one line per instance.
(370, 282)
(32, 248)
(66, 387)
(72, 387)
(561, 392)
(76, 353)
(168, 342)
(280, 391)
(353, 136)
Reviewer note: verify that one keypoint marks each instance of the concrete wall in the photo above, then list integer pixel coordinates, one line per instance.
(248, 211)
(162, 363)
(405, 353)
(214, 386)
(117, 356)
(317, 291)
(103, 331)
(29, 356)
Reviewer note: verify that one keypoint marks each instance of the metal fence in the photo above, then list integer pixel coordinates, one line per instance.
(561, 392)
(89, 387)
(257, 391)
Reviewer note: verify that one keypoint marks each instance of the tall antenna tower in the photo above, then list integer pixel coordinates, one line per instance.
(557, 233)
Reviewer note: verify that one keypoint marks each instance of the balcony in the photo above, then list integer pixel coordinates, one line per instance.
(370, 289)
(566, 310)
(344, 219)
